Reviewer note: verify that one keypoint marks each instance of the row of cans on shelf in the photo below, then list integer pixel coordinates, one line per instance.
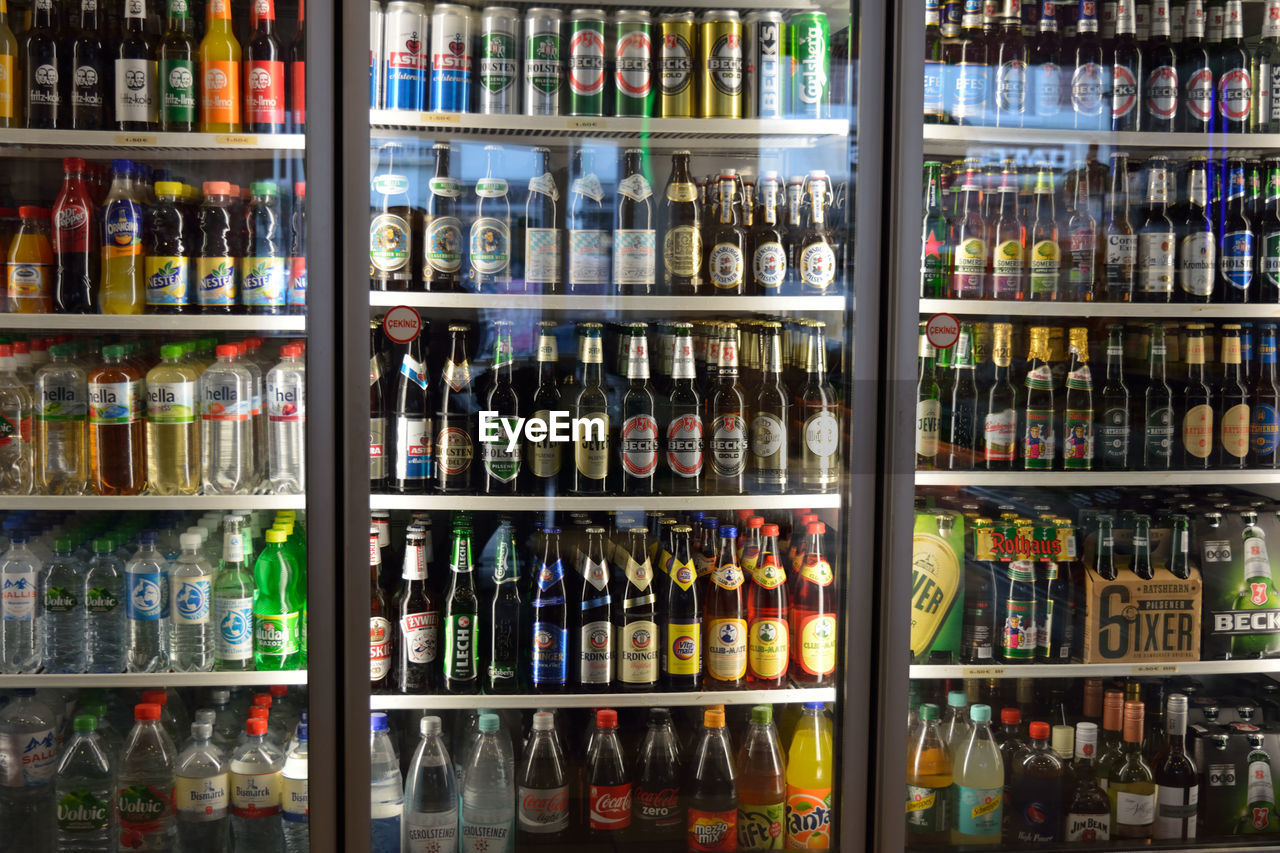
(547, 62)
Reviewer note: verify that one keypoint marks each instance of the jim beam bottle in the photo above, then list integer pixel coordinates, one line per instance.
(545, 457)
(682, 243)
(1038, 440)
(817, 416)
(455, 438)
(591, 410)
(768, 446)
(1000, 426)
(1089, 810)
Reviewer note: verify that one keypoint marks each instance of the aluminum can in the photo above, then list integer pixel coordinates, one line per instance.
(764, 93)
(586, 62)
(543, 62)
(677, 83)
(809, 47)
(450, 58)
(404, 31)
(375, 54)
(633, 63)
(499, 71)
(719, 69)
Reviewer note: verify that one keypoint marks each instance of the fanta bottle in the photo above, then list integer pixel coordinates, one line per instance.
(122, 259)
(809, 781)
(215, 256)
(31, 264)
(219, 72)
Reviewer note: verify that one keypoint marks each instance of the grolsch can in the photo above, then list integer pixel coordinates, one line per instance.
(404, 28)
(499, 65)
(764, 94)
(633, 64)
(543, 67)
(809, 49)
(677, 86)
(450, 58)
(720, 65)
(586, 62)
(375, 54)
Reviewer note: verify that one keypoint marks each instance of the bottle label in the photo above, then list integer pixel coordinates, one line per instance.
(443, 242)
(817, 266)
(543, 810)
(685, 446)
(1235, 94)
(189, 602)
(167, 280)
(1011, 86)
(544, 456)
(255, 795)
(1197, 430)
(413, 448)
(550, 653)
(683, 651)
(725, 265)
(490, 246)
(1006, 269)
(431, 832)
(1264, 428)
(769, 265)
(145, 596)
(223, 401)
(760, 826)
(1135, 809)
(634, 257)
(1020, 633)
(500, 463)
(71, 223)
(135, 90)
(177, 89)
(591, 455)
(275, 634)
(971, 90)
(201, 799)
(639, 445)
(809, 816)
(1176, 811)
(1046, 260)
(1237, 258)
(1155, 262)
(18, 594)
(454, 451)
(122, 229)
(1235, 431)
(818, 644)
(638, 653)
(542, 255)
(220, 92)
(115, 403)
(295, 805)
(933, 88)
(999, 430)
(595, 661)
(729, 445)
(234, 637)
(609, 806)
(1088, 827)
(379, 648)
(928, 413)
(265, 92)
(64, 401)
(461, 644)
(589, 257)
(389, 242)
(767, 648)
(418, 636)
(59, 599)
(263, 281)
(1162, 92)
(216, 281)
(81, 812)
(1259, 788)
(682, 250)
(171, 402)
(978, 810)
(1124, 91)
(99, 600)
(377, 448)
(1196, 263)
(144, 812)
(1038, 441)
(1077, 445)
(713, 830)
(1086, 89)
(7, 80)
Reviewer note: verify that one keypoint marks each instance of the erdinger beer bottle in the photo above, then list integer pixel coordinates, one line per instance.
(455, 439)
(591, 447)
(500, 466)
(638, 437)
(550, 620)
(593, 619)
(637, 626)
(682, 242)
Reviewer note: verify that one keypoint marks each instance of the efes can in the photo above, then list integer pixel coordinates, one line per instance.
(543, 65)
(404, 30)
(809, 48)
(375, 54)
(499, 67)
(677, 87)
(633, 64)
(764, 93)
(720, 65)
(450, 58)
(586, 62)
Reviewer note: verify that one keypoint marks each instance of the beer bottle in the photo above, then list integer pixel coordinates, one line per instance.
(1264, 404)
(1083, 247)
(590, 256)
(542, 237)
(1158, 439)
(1267, 233)
(379, 622)
(545, 456)
(1235, 113)
(969, 238)
(634, 238)
(934, 254)
(1141, 545)
(1257, 592)
(1009, 241)
(264, 91)
(1000, 425)
(135, 71)
(550, 620)
(490, 240)
(638, 439)
(442, 229)
(377, 414)
(594, 618)
(1038, 444)
(417, 632)
(1121, 244)
(637, 626)
(1104, 549)
(768, 240)
(726, 264)
(726, 410)
(1233, 403)
(684, 442)
(1195, 72)
(1264, 71)
(973, 72)
(413, 433)
(934, 64)
(1236, 244)
(391, 243)
(682, 242)
(767, 441)
(501, 457)
(1155, 237)
(1197, 407)
(681, 660)
(1046, 255)
(795, 224)
(768, 642)
(87, 63)
(1126, 71)
(1180, 547)
(1077, 426)
(461, 619)
(1045, 90)
(41, 48)
(591, 409)
(815, 259)
(1115, 406)
(1090, 78)
(502, 654)
(963, 422)
(455, 439)
(178, 70)
(1160, 90)
(817, 417)
(1009, 59)
(1197, 248)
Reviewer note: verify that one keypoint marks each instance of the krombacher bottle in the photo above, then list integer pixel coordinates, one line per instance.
(442, 230)
(1000, 427)
(728, 410)
(683, 436)
(1077, 443)
(1114, 443)
(1158, 433)
(455, 436)
(682, 242)
(545, 457)
(1038, 441)
(726, 261)
(461, 619)
(501, 467)
(591, 446)
(1197, 248)
(1197, 405)
(818, 418)
(1233, 403)
(638, 438)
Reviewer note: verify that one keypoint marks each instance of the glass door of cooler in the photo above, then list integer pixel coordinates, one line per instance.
(610, 293)
(1084, 336)
(156, 454)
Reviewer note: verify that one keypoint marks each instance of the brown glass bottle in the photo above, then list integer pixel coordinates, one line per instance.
(455, 428)
(682, 239)
(379, 622)
(726, 259)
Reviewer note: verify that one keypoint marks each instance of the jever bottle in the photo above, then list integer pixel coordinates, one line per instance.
(712, 818)
(461, 619)
(682, 245)
(44, 49)
(135, 72)
(593, 619)
(264, 90)
(455, 428)
(220, 102)
(178, 55)
(75, 243)
(116, 420)
(637, 624)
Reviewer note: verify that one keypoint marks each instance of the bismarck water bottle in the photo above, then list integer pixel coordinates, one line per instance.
(83, 792)
(293, 793)
(489, 789)
(191, 630)
(255, 792)
(105, 610)
(62, 594)
(431, 795)
(28, 760)
(147, 607)
(287, 416)
(22, 649)
(226, 426)
(387, 790)
(144, 785)
(200, 794)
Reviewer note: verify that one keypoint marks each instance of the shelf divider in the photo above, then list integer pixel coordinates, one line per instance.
(443, 702)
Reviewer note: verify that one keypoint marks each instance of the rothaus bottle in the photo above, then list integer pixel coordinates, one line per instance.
(1267, 233)
(87, 64)
(1120, 244)
(1126, 71)
(490, 241)
(455, 416)
(638, 438)
(501, 458)
(1160, 88)
(43, 48)
(590, 230)
(682, 241)
(501, 654)
(1114, 443)
(1090, 72)
(461, 618)
(767, 426)
(1155, 266)
(1158, 430)
(1234, 93)
(1264, 405)
(411, 465)
(727, 411)
(634, 238)
(546, 457)
(543, 237)
(817, 416)
(1197, 432)
(441, 227)
(1010, 60)
(1038, 440)
(591, 445)
(1233, 403)
(135, 72)
(726, 261)
(1195, 72)
(1236, 243)
(768, 240)
(1197, 247)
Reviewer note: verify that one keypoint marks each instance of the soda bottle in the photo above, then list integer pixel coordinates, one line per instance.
(761, 782)
(226, 426)
(264, 90)
(122, 242)
(216, 262)
(10, 98)
(929, 775)
(15, 428)
(75, 243)
(200, 793)
(488, 790)
(233, 593)
(263, 273)
(813, 627)
(191, 634)
(62, 598)
(543, 785)
(167, 265)
(431, 793)
(177, 55)
(767, 634)
(294, 795)
(297, 299)
(277, 606)
(726, 611)
(255, 791)
(42, 46)
(82, 791)
(27, 808)
(608, 781)
(22, 650)
(173, 457)
(682, 618)
(550, 620)
(712, 821)
(145, 784)
(61, 428)
(979, 780)
(490, 240)
(656, 808)
(31, 264)
(507, 617)
(219, 72)
(116, 425)
(810, 779)
(297, 69)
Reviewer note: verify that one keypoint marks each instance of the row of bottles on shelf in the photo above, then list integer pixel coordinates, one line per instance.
(700, 607)
(702, 432)
(729, 234)
(146, 242)
(82, 65)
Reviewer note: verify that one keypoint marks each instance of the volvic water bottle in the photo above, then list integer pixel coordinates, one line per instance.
(226, 426)
(23, 646)
(287, 416)
(62, 426)
(105, 610)
(293, 793)
(488, 789)
(387, 791)
(144, 784)
(255, 792)
(147, 607)
(191, 629)
(83, 791)
(431, 795)
(63, 598)
(200, 794)
(29, 754)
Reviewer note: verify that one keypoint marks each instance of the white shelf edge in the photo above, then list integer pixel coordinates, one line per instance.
(154, 141)
(605, 700)
(131, 503)
(153, 323)
(1005, 307)
(942, 137)
(1094, 670)
(157, 679)
(567, 302)
(1041, 479)
(483, 503)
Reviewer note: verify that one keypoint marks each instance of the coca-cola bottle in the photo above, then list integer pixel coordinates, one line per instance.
(608, 782)
(712, 820)
(542, 794)
(655, 804)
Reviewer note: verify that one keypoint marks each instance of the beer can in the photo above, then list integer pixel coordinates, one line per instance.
(499, 65)
(763, 94)
(809, 48)
(404, 28)
(677, 86)
(720, 64)
(375, 54)
(543, 65)
(586, 62)
(450, 58)
(633, 63)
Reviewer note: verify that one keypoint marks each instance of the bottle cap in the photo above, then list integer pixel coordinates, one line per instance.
(544, 721)
(259, 713)
(713, 718)
(929, 711)
(957, 699)
(278, 691)
(378, 721)
(169, 351)
(101, 546)
(168, 188)
(123, 167)
(770, 530)
(276, 535)
(261, 700)
(84, 723)
(62, 543)
(300, 189)
(818, 527)
(202, 730)
(226, 350)
(488, 723)
(1039, 731)
(814, 706)
(73, 164)
(255, 727)
(146, 711)
(607, 718)
(205, 715)
(1064, 741)
(762, 714)
(980, 713)
(216, 188)
(189, 541)
(290, 351)
(264, 188)
(429, 726)
(29, 211)
(755, 522)
(729, 532)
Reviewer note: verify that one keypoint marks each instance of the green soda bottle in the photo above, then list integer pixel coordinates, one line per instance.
(276, 608)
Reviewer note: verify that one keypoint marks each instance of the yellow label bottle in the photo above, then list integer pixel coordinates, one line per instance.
(9, 88)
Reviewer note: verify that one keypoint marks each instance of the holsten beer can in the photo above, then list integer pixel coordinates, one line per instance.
(810, 51)
(543, 65)
(450, 58)
(404, 36)
(720, 65)
(375, 54)
(586, 62)
(764, 93)
(677, 84)
(499, 65)
(633, 64)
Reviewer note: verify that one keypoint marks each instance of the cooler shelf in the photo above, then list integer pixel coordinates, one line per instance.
(1146, 479)
(157, 679)
(1048, 310)
(1097, 670)
(671, 503)
(638, 304)
(138, 503)
(153, 323)
(951, 139)
(606, 700)
(22, 142)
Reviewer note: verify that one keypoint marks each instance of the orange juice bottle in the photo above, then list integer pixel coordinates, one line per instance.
(30, 264)
(929, 779)
(810, 777)
(219, 72)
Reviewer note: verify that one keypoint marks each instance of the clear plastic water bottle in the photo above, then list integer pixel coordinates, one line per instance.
(63, 597)
(431, 794)
(23, 647)
(387, 790)
(255, 792)
(147, 607)
(293, 793)
(29, 758)
(200, 794)
(287, 417)
(108, 735)
(15, 408)
(225, 726)
(83, 791)
(61, 428)
(105, 610)
(489, 789)
(226, 426)
(191, 628)
(144, 784)
(259, 415)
